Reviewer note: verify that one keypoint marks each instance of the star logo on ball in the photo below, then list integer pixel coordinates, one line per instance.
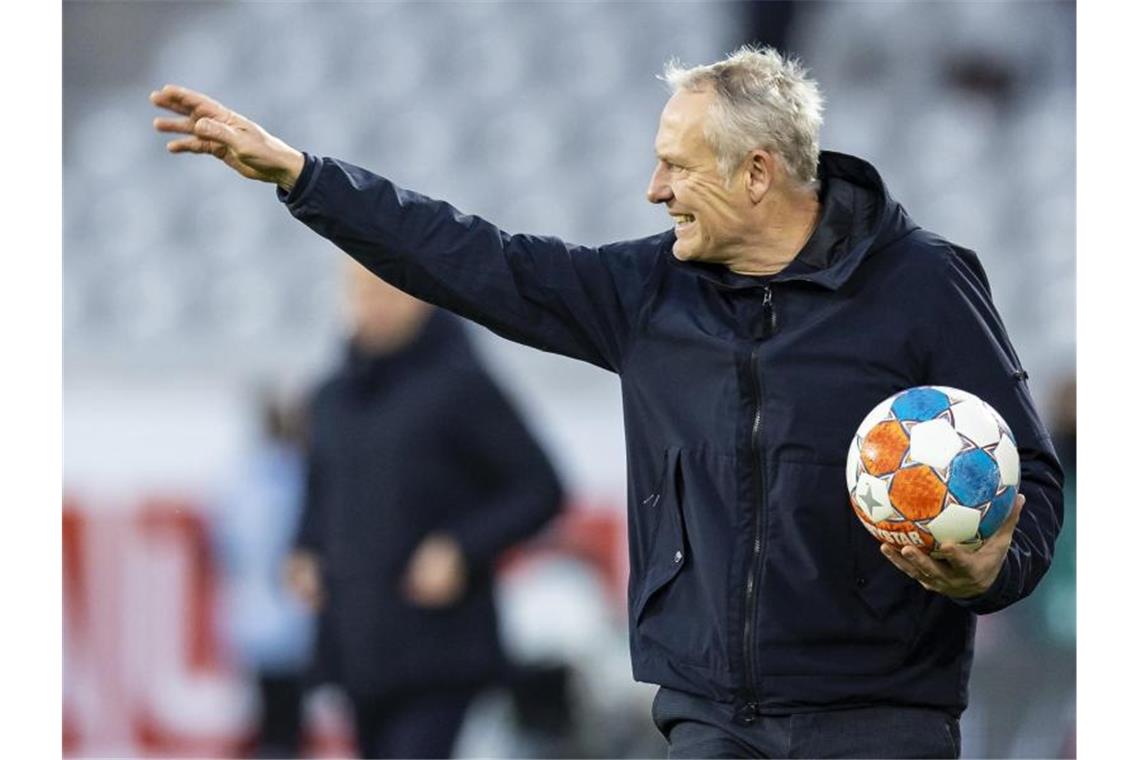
(869, 498)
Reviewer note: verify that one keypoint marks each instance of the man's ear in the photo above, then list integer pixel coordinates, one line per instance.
(759, 173)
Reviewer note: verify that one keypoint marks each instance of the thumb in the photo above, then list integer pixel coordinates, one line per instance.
(211, 129)
(1010, 523)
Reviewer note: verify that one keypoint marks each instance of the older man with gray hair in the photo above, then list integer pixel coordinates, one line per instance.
(791, 295)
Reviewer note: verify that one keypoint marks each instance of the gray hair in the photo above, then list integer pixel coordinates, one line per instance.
(763, 100)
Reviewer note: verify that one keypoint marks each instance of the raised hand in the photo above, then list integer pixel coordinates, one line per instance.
(954, 571)
(238, 142)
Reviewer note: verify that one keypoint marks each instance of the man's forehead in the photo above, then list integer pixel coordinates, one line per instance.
(682, 120)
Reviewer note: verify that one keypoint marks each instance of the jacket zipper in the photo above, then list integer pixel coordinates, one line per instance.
(750, 711)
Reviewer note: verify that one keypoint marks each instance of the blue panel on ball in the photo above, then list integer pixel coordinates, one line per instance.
(974, 478)
(920, 404)
(998, 511)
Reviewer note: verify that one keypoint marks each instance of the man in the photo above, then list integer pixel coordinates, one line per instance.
(420, 473)
(791, 296)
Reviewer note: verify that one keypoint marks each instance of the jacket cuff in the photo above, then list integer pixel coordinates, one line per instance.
(304, 182)
(1001, 594)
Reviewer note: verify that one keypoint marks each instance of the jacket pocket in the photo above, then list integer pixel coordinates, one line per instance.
(677, 610)
(666, 550)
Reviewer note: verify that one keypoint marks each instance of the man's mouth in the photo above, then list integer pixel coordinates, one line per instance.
(681, 221)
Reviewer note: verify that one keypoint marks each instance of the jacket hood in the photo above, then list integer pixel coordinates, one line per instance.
(859, 217)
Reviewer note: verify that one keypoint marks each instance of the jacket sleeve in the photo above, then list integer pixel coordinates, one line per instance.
(520, 493)
(572, 300)
(970, 350)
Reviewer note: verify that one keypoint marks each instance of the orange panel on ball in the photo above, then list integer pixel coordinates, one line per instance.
(899, 534)
(883, 448)
(918, 493)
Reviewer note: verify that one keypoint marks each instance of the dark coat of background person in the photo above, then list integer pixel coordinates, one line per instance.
(404, 445)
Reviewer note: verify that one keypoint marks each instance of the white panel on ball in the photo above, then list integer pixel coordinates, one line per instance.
(1009, 463)
(935, 443)
(884, 512)
(1001, 420)
(955, 523)
(953, 394)
(852, 464)
(871, 494)
(974, 421)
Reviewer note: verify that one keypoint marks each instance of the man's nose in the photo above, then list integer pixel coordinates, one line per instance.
(658, 190)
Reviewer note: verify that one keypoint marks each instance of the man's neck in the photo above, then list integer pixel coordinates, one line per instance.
(790, 222)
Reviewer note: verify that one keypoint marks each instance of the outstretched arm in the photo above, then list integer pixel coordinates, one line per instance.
(579, 301)
(238, 142)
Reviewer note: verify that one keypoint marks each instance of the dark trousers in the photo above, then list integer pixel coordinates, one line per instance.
(279, 729)
(422, 725)
(698, 727)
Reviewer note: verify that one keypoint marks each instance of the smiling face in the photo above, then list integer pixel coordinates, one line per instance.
(712, 221)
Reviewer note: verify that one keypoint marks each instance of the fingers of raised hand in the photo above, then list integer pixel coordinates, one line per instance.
(184, 126)
(185, 101)
(170, 98)
(196, 145)
(210, 132)
(212, 129)
(209, 128)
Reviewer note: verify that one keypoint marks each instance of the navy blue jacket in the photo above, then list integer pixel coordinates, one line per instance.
(406, 444)
(751, 580)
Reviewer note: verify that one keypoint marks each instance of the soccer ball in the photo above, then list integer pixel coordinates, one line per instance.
(933, 464)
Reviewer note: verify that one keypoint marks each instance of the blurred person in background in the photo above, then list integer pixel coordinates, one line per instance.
(420, 474)
(792, 295)
(268, 630)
